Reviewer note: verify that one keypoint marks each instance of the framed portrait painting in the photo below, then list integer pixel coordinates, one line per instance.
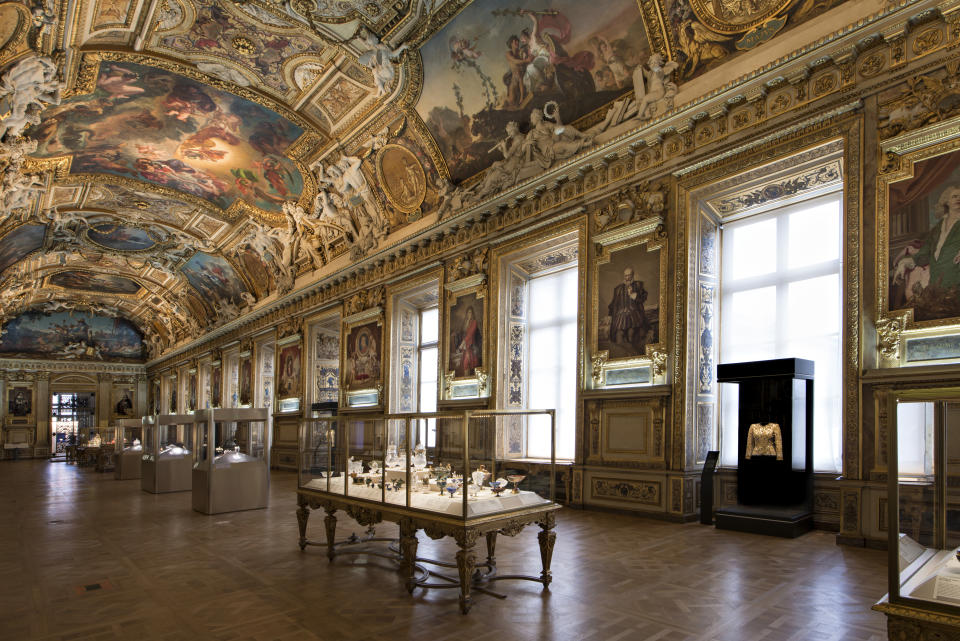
(289, 362)
(465, 335)
(919, 243)
(123, 402)
(192, 390)
(465, 339)
(172, 400)
(20, 402)
(627, 304)
(216, 384)
(364, 347)
(246, 379)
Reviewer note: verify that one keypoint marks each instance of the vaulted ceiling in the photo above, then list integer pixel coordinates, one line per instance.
(198, 157)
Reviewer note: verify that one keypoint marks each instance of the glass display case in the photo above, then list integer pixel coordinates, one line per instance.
(167, 459)
(107, 436)
(448, 473)
(230, 463)
(420, 461)
(923, 512)
(129, 448)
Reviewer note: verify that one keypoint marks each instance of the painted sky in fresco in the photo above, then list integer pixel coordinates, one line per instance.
(163, 128)
(77, 335)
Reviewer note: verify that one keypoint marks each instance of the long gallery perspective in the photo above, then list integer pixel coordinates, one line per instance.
(619, 320)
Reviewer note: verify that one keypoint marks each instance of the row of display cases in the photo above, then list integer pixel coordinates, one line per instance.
(220, 455)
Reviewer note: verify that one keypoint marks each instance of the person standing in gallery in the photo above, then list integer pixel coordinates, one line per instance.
(628, 321)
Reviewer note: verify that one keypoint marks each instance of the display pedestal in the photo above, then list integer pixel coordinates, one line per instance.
(127, 465)
(774, 447)
(789, 522)
(168, 474)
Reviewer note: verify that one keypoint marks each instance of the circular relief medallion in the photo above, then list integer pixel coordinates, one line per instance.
(401, 177)
(736, 16)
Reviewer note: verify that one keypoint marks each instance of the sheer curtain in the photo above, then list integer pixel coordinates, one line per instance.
(781, 293)
(553, 360)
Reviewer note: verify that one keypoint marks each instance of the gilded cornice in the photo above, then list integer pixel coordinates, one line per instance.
(25, 364)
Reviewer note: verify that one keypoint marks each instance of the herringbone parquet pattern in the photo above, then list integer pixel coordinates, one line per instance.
(168, 573)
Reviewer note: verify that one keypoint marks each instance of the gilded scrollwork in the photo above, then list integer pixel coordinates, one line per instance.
(889, 333)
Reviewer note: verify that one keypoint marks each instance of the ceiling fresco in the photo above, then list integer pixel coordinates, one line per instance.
(72, 335)
(121, 237)
(19, 243)
(162, 128)
(495, 63)
(267, 52)
(171, 166)
(89, 281)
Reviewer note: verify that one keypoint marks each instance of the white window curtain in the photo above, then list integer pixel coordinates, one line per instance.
(553, 360)
(781, 297)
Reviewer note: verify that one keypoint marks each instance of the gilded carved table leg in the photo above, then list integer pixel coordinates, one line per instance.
(547, 538)
(492, 549)
(408, 552)
(466, 563)
(330, 523)
(303, 514)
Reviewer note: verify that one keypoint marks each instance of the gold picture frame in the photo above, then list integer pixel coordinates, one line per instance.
(288, 375)
(465, 338)
(362, 360)
(123, 401)
(627, 338)
(21, 404)
(918, 302)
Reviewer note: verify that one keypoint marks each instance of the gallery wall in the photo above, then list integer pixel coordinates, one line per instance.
(882, 109)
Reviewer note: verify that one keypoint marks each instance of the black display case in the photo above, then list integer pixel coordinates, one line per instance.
(774, 447)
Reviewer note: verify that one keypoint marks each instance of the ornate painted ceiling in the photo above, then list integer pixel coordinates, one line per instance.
(177, 163)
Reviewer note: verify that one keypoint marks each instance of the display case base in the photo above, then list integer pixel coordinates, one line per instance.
(127, 466)
(917, 624)
(772, 520)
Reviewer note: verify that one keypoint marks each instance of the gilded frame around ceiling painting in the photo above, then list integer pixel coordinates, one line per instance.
(918, 247)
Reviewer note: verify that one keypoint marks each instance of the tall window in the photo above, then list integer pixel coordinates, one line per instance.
(552, 360)
(427, 375)
(414, 349)
(781, 295)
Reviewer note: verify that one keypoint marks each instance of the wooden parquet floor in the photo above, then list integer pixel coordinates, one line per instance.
(84, 556)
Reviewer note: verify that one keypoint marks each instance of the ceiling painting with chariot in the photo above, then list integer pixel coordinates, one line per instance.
(178, 164)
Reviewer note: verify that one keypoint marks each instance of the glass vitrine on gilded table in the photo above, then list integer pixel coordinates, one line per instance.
(167, 458)
(923, 514)
(129, 448)
(447, 473)
(230, 462)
